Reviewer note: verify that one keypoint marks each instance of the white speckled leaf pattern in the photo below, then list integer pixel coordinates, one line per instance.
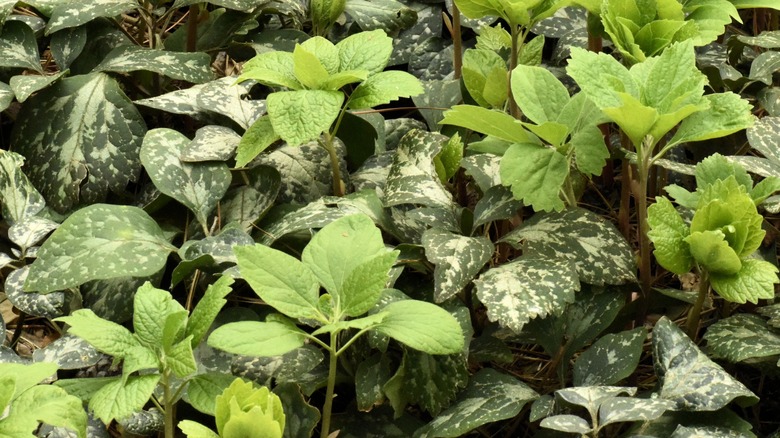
(99, 242)
(112, 298)
(23, 86)
(81, 137)
(566, 423)
(688, 377)
(190, 67)
(530, 287)
(18, 47)
(6, 96)
(30, 230)
(428, 24)
(199, 186)
(211, 143)
(412, 178)
(48, 305)
(622, 409)
(72, 14)
(600, 253)
(69, 353)
(484, 168)
(740, 337)
(490, 396)
(239, 5)
(389, 15)
(287, 367)
(18, 198)
(497, 203)
(247, 204)
(67, 44)
(305, 171)
(610, 359)
(458, 260)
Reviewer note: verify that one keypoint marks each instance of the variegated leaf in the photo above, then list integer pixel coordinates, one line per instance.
(623, 409)
(543, 406)
(248, 204)
(740, 337)
(412, 178)
(458, 260)
(372, 174)
(6, 7)
(6, 96)
(484, 168)
(285, 368)
(591, 397)
(379, 422)
(489, 397)
(442, 93)
(81, 137)
(5, 259)
(72, 14)
(112, 298)
(18, 198)
(69, 353)
(396, 129)
(688, 377)
(432, 60)
(769, 99)
(530, 287)
(30, 230)
(99, 242)
(763, 138)
(496, 204)
(67, 44)
(435, 217)
(428, 24)
(24, 86)
(190, 67)
(301, 417)
(198, 186)
(305, 171)
(370, 375)
(388, 15)
(143, 422)
(211, 143)
(600, 253)
(705, 432)
(567, 423)
(18, 47)
(239, 5)
(49, 305)
(211, 252)
(773, 313)
(610, 359)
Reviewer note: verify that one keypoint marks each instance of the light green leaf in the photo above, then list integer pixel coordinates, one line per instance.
(536, 175)
(601, 77)
(49, 405)
(367, 50)
(753, 282)
(538, 93)
(152, 307)
(668, 232)
(78, 251)
(553, 133)
(495, 123)
(108, 337)
(81, 137)
(364, 284)
(18, 198)
(280, 280)
(192, 429)
(590, 151)
(203, 389)
(478, 68)
(527, 288)
(383, 88)
(255, 140)
(18, 47)
(340, 79)
(180, 359)
(422, 326)
(189, 67)
(300, 116)
(610, 359)
(490, 396)
(458, 260)
(117, 400)
(728, 113)
(634, 118)
(711, 250)
(252, 338)
(72, 14)
(25, 376)
(740, 337)
(688, 377)
(308, 69)
(717, 167)
(207, 309)
(275, 69)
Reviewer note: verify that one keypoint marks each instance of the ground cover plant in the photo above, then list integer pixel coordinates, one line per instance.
(392, 218)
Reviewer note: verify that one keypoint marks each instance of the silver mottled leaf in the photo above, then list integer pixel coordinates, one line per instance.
(490, 396)
(372, 174)
(6, 7)
(396, 129)
(773, 313)
(5, 259)
(458, 260)
(67, 44)
(50, 305)
(211, 143)
(484, 168)
(432, 60)
(764, 66)
(600, 254)
(219, 247)
(412, 178)
(623, 409)
(81, 137)
(95, 429)
(69, 353)
(496, 204)
(99, 242)
(199, 186)
(566, 423)
(18, 47)
(190, 67)
(763, 137)
(428, 24)
(144, 423)
(24, 86)
(305, 171)
(591, 397)
(769, 99)
(688, 377)
(239, 5)
(705, 432)
(435, 217)
(247, 204)
(285, 368)
(300, 417)
(112, 298)
(610, 359)
(388, 15)
(6, 96)
(439, 93)
(543, 406)
(742, 336)
(30, 231)
(529, 287)
(18, 198)
(72, 14)
(370, 375)
(225, 97)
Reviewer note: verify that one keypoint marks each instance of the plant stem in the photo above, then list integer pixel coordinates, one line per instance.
(169, 405)
(644, 154)
(457, 42)
(328, 406)
(518, 38)
(192, 27)
(338, 189)
(694, 315)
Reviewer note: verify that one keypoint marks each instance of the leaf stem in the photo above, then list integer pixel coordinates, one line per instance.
(457, 42)
(170, 406)
(518, 38)
(694, 315)
(338, 188)
(328, 406)
(644, 155)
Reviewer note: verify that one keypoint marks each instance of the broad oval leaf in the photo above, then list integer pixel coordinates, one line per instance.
(253, 338)
(412, 178)
(199, 186)
(539, 94)
(48, 305)
(211, 143)
(422, 326)
(303, 115)
(24, 86)
(566, 423)
(610, 359)
(620, 409)
(18, 47)
(536, 174)
(30, 231)
(742, 337)
(72, 14)
(69, 353)
(190, 67)
(458, 260)
(18, 197)
(99, 242)
(118, 400)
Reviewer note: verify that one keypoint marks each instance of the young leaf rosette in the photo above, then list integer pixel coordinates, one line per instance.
(723, 235)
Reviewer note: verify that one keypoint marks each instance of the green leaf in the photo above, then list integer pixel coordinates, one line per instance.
(687, 377)
(255, 140)
(634, 118)
(495, 123)
(668, 232)
(108, 337)
(364, 284)
(18, 47)
(458, 260)
(412, 178)
(490, 396)
(536, 174)
(422, 326)
(539, 94)
(600, 254)
(754, 281)
(189, 67)
(77, 251)
(367, 50)
(526, 288)
(81, 137)
(199, 186)
(717, 167)
(180, 359)
(711, 250)
(206, 310)
(566, 423)
(478, 68)
(601, 77)
(741, 337)
(24, 86)
(340, 79)
(621, 409)
(203, 389)
(275, 69)
(117, 400)
(590, 151)
(192, 429)
(450, 157)
(383, 88)
(49, 405)
(152, 307)
(610, 359)
(728, 113)
(18, 198)
(252, 338)
(65, 15)
(308, 69)
(25, 376)
(300, 116)
(280, 280)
